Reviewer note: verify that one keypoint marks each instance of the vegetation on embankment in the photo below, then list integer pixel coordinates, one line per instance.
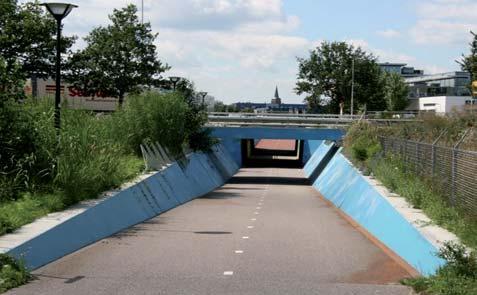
(363, 147)
(12, 273)
(94, 153)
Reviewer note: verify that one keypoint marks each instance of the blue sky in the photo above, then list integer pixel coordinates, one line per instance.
(238, 50)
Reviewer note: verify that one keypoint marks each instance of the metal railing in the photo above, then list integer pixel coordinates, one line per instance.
(450, 170)
(290, 119)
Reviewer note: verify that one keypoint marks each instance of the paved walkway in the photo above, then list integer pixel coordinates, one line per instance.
(266, 232)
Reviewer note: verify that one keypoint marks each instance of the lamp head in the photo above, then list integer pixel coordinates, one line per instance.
(174, 79)
(59, 10)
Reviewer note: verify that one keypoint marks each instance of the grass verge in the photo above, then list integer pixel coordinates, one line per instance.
(12, 273)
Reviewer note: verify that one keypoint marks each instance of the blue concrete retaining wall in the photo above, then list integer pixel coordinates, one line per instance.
(343, 185)
(317, 157)
(309, 149)
(156, 194)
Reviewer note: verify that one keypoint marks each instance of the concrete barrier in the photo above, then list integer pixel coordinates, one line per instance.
(154, 195)
(316, 158)
(309, 149)
(349, 191)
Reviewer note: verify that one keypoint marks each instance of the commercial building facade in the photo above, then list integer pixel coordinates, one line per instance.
(443, 84)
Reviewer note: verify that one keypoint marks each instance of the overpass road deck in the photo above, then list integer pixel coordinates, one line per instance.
(265, 232)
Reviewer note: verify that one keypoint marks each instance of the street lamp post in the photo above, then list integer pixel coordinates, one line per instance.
(203, 95)
(352, 88)
(59, 12)
(174, 81)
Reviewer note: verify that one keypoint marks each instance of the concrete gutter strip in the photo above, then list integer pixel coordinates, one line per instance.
(433, 233)
(44, 224)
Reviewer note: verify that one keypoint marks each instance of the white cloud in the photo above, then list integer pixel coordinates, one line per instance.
(389, 33)
(444, 22)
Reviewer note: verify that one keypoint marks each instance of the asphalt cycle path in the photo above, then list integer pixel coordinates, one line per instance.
(267, 231)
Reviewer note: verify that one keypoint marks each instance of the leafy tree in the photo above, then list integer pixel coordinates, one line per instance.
(118, 59)
(468, 63)
(220, 107)
(27, 45)
(396, 92)
(326, 78)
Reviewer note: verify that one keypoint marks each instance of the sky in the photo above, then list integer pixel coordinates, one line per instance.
(239, 50)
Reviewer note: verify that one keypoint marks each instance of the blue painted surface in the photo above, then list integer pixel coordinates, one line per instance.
(309, 149)
(343, 185)
(158, 193)
(277, 133)
(315, 160)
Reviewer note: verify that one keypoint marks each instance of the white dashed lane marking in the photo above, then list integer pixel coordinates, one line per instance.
(228, 273)
(250, 226)
(245, 238)
(238, 251)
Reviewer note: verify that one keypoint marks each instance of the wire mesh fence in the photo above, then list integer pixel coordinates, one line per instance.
(451, 171)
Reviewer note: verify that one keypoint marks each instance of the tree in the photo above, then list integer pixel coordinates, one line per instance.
(396, 92)
(27, 45)
(327, 74)
(468, 63)
(118, 59)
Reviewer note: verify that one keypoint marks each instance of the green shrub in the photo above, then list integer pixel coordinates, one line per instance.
(361, 142)
(12, 273)
(457, 277)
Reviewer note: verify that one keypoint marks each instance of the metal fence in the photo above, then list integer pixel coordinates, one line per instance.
(451, 170)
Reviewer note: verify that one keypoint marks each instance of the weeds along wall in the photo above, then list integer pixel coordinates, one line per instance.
(164, 190)
(348, 190)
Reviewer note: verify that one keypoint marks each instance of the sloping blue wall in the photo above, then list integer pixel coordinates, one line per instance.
(317, 157)
(156, 194)
(309, 149)
(349, 191)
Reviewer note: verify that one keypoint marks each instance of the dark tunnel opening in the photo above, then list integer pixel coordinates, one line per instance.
(277, 153)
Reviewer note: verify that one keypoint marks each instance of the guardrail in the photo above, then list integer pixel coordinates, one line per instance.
(302, 120)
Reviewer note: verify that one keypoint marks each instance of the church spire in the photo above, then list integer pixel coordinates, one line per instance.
(276, 93)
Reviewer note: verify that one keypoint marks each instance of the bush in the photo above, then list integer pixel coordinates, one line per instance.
(12, 273)
(457, 277)
(361, 142)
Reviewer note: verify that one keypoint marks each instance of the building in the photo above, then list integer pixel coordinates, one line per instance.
(444, 84)
(442, 104)
(401, 69)
(275, 106)
(73, 98)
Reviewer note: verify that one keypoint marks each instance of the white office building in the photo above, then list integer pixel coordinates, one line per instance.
(441, 104)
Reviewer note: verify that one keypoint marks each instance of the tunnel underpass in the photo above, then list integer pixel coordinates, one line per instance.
(279, 153)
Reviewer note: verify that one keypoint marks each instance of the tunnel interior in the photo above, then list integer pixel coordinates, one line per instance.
(281, 153)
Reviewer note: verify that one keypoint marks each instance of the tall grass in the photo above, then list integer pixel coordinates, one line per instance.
(41, 173)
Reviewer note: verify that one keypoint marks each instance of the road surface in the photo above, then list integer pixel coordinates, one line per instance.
(265, 232)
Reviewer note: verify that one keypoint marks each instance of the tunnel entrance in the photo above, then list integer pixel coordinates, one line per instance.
(281, 153)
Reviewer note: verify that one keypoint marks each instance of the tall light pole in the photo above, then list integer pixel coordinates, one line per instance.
(203, 94)
(59, 12)
(174, 81)
(352, 88)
